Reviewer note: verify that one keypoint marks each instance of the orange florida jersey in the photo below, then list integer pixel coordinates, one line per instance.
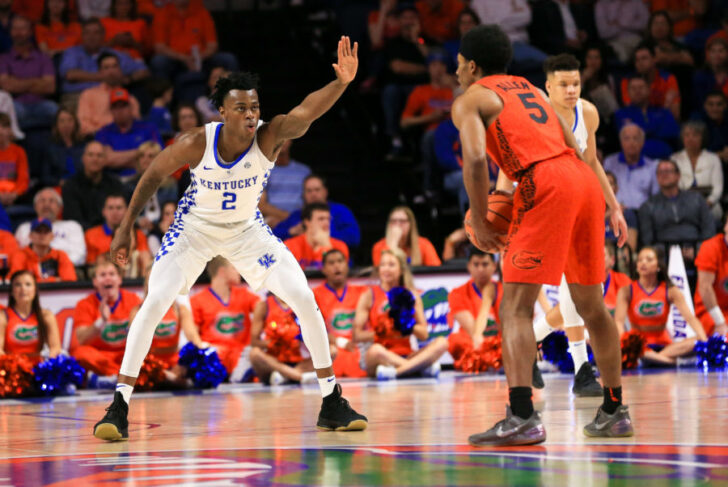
(615, 281)
(221, 322)
(166, 335)
(21, 333)
(469, 298)
(713, 257)
(113, 335)
(648, 312)
(526, 131)
(394, 342)
(338, 309)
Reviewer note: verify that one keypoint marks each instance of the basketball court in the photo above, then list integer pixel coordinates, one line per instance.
(257, 435)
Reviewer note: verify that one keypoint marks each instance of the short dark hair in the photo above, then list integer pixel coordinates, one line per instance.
(329, 253)
(669, 161)
(114, 194)
(241, 80)
(561, 62)
(315, 176)
(91, 21)
(648, 46)
(308, 210)
(106, 55)
(489, 47)
(473, 251)
(471, 12)
(716, 93)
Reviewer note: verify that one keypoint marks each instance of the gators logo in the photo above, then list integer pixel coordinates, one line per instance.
(343, 321)
(527, 260)
(650, 308)
(165, 330)
(229, 325)
(115, 332)
(26, 334)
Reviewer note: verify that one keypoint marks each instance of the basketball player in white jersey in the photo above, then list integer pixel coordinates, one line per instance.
(563, 85)
(218, 215)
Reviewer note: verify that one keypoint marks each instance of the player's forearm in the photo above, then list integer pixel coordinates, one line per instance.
(317, 103)
(710, 300)
(85, 333)
(148, 185)
(477, 182)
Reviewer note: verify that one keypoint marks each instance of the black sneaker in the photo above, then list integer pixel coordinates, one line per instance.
(615, 425)
(537, 378)
(337, 415)
(114, 426)
(585, 383)
(512, 431)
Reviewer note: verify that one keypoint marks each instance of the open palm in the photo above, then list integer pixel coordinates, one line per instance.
(348, 61)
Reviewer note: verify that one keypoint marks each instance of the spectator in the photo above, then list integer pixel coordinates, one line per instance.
(439, 18)
(714, 75)
(125, 31)
(621, 23)
(185, 117)
(456, 246)
(723, 32)
(64, 150)
(46, 263)
(383, 24)
(56, 32)
(402, 233)
(8, 245)
(467, 19)
(597, 83)
(661, 129)
(28, 75)
(154, 239)
(67, 234)
(14, 178)
(514, 18)
(159, 115)
(683, 13)
(556, 31)
(185, 41)
(124, 135)
(98, 238)
(222, 314)
(664, 90)
(309, 247)
(711, 296)
(282, 194)
(79, 68)
(390, 355)
(94, 106)
(673, 216)
(203, 103)
(84, 194)
(101, 323)
(700, 168)
(343, 223)
(714, 116)
(634, 172)
(630, 216)
(25, 327)
(669, 53)
(6, 16)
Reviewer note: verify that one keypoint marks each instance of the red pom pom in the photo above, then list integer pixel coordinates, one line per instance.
(16, 376)
(460, 343)
(633, 347)
(283, 343)
(487, 356)
(151, 374)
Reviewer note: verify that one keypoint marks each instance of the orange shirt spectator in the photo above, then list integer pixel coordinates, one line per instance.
(52, 267)
(663, 84)
(94, 108)
(137, 28)
(58, 36)
(426, 99)
(307, 256)
(180, 31)
(681, 27)
(33, 9)
(98, 241)
(469, 298)
(8, 245)
(440, 23)
(13, 170)
(113, 335)
(427, 250)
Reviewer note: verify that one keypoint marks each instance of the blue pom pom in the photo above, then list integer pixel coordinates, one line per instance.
(555, 349)
(402, 309)
(712, 354)
(203, 366)
(59, 375)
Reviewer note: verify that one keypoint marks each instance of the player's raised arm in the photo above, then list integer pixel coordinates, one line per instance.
(296, 122)
(187, 150)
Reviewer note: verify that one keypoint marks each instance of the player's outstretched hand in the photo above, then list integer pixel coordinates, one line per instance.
(348, 61)
(121, 247)
(487, 237)
(619, 226)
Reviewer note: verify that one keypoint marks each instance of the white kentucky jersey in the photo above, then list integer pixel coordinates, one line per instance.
(226, 192)
(579, 127)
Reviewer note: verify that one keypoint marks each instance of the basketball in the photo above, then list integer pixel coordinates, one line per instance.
(500, 213)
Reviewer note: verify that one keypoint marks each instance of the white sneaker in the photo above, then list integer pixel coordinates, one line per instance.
(432, 371)
(386, 372)
(276, 378)
(309, 378)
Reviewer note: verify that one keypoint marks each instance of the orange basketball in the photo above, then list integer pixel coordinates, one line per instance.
(500, 214)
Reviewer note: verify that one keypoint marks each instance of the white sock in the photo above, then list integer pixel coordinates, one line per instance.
(578, 354)
(126, 391)
(327, 385)
(541, 328)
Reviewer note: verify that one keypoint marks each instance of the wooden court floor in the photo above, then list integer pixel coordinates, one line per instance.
(254, 435)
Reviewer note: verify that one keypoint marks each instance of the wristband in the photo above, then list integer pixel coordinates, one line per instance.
(717, 315)
(342, 342)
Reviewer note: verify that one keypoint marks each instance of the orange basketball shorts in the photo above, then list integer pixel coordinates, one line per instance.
(558, 225)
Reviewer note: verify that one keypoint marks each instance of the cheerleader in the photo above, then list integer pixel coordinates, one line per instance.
(646, 302)
(391, 354)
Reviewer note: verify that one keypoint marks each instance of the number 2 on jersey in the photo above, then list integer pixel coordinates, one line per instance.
(228, 203)
(526, 98)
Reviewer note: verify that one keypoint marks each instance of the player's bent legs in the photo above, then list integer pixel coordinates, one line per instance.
(602, 330)
(424, 357)
(379, 355)
(519, 341)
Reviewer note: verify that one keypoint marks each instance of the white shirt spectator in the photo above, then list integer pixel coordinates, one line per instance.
(67, 236)
(708, 173)
(570, 30)
(513, 16)
(621, 23)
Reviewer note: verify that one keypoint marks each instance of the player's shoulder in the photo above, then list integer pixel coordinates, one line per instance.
(193, 140)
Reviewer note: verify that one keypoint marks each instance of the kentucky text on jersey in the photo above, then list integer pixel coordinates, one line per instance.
(228, 185)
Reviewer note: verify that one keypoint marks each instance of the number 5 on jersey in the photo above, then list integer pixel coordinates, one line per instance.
(228, 202)
(526, 98)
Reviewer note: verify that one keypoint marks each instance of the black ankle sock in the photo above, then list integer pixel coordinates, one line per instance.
(612, 399)
(521, 401)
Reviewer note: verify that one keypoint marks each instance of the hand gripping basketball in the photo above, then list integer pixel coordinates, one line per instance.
(496, 224)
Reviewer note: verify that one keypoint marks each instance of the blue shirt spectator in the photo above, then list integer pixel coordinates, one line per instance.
(284, 188)
(715, 116)
(635, 174)
(343, 223)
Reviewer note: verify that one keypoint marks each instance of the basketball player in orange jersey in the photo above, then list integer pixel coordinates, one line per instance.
(337, 300)
(711, 298)
(514, 122)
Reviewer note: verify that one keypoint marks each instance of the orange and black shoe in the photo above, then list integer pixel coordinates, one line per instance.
(114, 426)
(337, 415)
